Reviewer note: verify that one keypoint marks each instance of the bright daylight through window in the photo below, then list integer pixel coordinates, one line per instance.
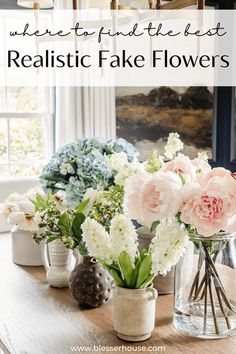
(26, 135)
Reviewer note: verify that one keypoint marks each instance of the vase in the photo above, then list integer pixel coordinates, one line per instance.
(24, 251)
(58, 263)
(134, 313)
(91, 285)
(205, 288)
(163, 284)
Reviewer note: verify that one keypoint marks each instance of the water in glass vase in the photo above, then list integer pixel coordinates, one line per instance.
(205, 288)
(191, 319)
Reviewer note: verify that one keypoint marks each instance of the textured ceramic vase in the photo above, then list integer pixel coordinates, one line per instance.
(163, 284)
(24, 251)
(91, 285)
(57, 262)
(134, 313)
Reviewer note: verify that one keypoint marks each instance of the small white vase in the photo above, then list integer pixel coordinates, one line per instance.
(24, 251)
(57, 261)
(134, 313)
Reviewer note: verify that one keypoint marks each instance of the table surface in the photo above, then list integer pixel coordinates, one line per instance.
(36, 318)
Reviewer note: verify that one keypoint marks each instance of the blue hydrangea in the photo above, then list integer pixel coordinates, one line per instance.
(81, 165)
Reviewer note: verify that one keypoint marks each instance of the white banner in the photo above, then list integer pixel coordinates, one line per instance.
(118, 48)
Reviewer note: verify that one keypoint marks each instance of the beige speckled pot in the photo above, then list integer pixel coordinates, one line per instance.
(134, 313)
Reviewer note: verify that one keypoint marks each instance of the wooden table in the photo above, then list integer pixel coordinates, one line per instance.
(35, 319)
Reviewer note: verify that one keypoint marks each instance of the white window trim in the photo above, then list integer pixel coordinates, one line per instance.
(48, 116)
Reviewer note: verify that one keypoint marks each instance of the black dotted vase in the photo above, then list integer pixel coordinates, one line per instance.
(90, 284)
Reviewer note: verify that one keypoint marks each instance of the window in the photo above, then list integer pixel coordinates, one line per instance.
(26, 134)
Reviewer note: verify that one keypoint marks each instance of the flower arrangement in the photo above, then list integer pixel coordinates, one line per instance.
(20, 210)
(117, 250)
(57, 221)
(86, 164)
(201, 199)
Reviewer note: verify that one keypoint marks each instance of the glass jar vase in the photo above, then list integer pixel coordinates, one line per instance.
(205, 288)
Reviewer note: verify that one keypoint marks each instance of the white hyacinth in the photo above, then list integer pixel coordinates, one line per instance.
(97, 240)
(107, 248)
(174, 144)
(168, 245)
(123, 237)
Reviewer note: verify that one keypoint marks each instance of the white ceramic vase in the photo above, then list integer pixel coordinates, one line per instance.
(134, 313)
(24, 251)
(57, 261)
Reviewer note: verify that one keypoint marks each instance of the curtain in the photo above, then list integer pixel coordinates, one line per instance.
(83, 111)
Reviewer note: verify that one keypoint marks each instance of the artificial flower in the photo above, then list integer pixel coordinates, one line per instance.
(97, 240)
(174, 145)
(209, 207)
(168, 245)
(152, 197)
(123, 237)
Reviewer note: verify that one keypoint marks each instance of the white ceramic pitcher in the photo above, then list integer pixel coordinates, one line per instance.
(57, 261)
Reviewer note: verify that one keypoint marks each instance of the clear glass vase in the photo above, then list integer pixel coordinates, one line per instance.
(205, 288)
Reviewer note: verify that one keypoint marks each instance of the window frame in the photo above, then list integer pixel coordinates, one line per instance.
(49, 118)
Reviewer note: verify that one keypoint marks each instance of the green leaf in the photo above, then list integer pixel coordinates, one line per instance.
(125, 264)
(143, 253)
(76, 227)
(64, 224)
(52, 238)
(154, 225)
(83, 249)
(135, 273)
(115, 275)
(148, 281)
(144, 271)
(82, 207)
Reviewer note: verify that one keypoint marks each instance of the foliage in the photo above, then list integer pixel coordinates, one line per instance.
(58, 222)
(127, 276)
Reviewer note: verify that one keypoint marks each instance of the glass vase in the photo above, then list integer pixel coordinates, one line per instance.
(205, 288)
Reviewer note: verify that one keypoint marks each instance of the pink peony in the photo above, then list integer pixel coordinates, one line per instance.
(152, 197)
(181, 165)
(206, 175)
(209, 207)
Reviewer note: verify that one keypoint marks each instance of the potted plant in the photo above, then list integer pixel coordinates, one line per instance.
(60, 231)
(134, 298)
(24, 221)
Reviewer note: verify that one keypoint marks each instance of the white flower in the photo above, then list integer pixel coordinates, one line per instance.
(11, 203)
(33, 192)
(123, 237)
(127, 171)
(168, 245)
(60, 201)
(174, 144)
(92, 194)
(66, 168)
(202, 156)
(23, 222)
(26, 206)
(119, 163)
(97, 240)
(116, 161)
